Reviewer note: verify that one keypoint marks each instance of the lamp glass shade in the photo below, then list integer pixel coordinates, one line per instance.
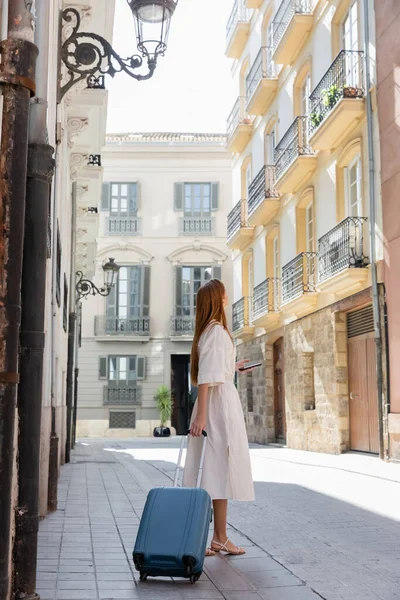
(110, 269)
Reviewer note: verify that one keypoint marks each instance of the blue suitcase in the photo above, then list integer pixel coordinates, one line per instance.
(173, 531)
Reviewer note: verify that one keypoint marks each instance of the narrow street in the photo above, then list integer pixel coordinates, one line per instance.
(322, 527)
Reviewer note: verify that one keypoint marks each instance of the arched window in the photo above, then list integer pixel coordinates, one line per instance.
(350, 181)
(305, 222)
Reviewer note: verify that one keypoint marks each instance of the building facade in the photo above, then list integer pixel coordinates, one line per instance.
(299, 230)
(162, 217)
(388, 49)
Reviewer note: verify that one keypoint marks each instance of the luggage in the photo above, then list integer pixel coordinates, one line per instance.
(173, 531)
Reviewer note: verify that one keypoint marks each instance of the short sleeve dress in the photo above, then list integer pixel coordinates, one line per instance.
(227, 468)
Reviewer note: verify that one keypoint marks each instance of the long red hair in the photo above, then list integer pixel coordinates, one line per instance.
(209, 308)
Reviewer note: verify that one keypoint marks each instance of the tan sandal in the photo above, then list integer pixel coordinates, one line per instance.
(210, 552)
(223, 548)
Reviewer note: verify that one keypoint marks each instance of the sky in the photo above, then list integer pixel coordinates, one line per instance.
(192, 88)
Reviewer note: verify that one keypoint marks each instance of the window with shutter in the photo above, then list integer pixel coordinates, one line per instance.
(190, 280)
(217, 272)
(178, 291)
(197, 199)
(130, 297)
(123, 199)
(141, 367)
(123, 371)
(214, 196)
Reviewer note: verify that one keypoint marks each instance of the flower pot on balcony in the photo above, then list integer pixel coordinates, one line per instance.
(350, 92)
(161, 432)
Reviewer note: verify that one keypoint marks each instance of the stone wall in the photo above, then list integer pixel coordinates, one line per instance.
(260, 420)
(316, 383)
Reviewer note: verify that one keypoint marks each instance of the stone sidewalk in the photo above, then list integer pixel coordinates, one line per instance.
(320, 528)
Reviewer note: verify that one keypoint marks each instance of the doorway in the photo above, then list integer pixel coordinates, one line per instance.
(183, 394)
(279, 392)
(363, 395)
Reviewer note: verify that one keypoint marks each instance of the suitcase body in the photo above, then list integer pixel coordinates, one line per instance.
(173, 531)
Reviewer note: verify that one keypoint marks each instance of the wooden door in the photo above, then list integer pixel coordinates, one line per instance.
(363, 394)
(279, 392)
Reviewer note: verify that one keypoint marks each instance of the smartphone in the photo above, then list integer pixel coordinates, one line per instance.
(250, 365)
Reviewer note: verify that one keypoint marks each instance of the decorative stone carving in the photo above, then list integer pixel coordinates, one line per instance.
(75, 126)
(77, 161)
(85, 13)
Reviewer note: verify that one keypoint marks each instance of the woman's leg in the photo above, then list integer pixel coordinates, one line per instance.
(220, 535)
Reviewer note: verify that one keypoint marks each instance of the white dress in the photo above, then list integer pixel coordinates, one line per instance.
(227, 468)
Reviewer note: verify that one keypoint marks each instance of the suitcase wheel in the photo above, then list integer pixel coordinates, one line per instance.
(194, 578)
(143, 576)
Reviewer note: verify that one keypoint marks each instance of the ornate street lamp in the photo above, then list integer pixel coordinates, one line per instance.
(85, 287)
(87, 55)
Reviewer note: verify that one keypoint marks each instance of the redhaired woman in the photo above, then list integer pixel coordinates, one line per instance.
(227, 468)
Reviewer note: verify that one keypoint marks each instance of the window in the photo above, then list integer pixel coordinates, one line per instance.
(122, 371)
(270, 144)
(350, 41)
(65, 305)
(270, 44)
(129, 298)
(58, 267)
(353, 187)
(305, 92)
(197, 199)
(121, 199)
(188, 282)
(310, 227)
(248, 179)
(275, 251)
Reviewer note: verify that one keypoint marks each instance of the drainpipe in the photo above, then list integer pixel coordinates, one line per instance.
(77, 345)
(71, 329)
(372, 233)
(17, 76)
(32, 338)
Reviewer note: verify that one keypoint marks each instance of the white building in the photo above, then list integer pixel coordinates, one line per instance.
(299, 230)
(162, 217)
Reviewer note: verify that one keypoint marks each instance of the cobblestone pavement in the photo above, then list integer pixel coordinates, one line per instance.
(321, 527)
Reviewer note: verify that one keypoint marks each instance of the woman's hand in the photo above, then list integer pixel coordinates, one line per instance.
(198, 425)
(242, 363)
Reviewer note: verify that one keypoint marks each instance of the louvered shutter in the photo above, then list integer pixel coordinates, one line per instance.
(178, 291)
(103, 370)
(215, 196)
(105, 196)
(178, 196)
(217, 272)
(112, 302)
(146, 290)
(132, 198)
(141, 367)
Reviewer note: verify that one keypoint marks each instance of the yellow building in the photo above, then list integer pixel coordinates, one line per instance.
(299, 227)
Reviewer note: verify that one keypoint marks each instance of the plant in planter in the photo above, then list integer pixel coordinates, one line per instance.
(316, 119)
(331, 96)
(164, 406)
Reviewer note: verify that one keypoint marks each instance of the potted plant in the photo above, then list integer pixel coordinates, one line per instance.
(331, 96)
(164, 406)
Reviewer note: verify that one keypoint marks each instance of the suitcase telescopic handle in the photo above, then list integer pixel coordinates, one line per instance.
(203, 452)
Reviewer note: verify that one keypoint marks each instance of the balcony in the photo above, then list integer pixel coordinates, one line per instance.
(182, 327)
(261, 83)
(112, 327)
(241, 319)
(337, 103)
(237, 29)
(266, 304)
(197, 226)
(295, 160)
(263, 203)
(123, 226)
(239, 127)
(299, 290)
(291, 26)
(342, 259)
(120, 396)
(239, 233)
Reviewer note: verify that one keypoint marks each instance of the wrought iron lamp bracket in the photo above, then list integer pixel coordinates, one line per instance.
(86, 55)
(85, 288)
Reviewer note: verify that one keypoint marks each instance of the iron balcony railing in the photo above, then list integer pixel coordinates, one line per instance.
(299, 277)
(121, 396)
(123, 226)
(285, 13)
(262, 68)
(262, 187)
(241, 314)
(236, 219)
(238, 116)
(197, 226)
(266, 297)
(342, 248)
(344, 79)
(293, 144)
(122, 327)
(240, 14)
(183, 325)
